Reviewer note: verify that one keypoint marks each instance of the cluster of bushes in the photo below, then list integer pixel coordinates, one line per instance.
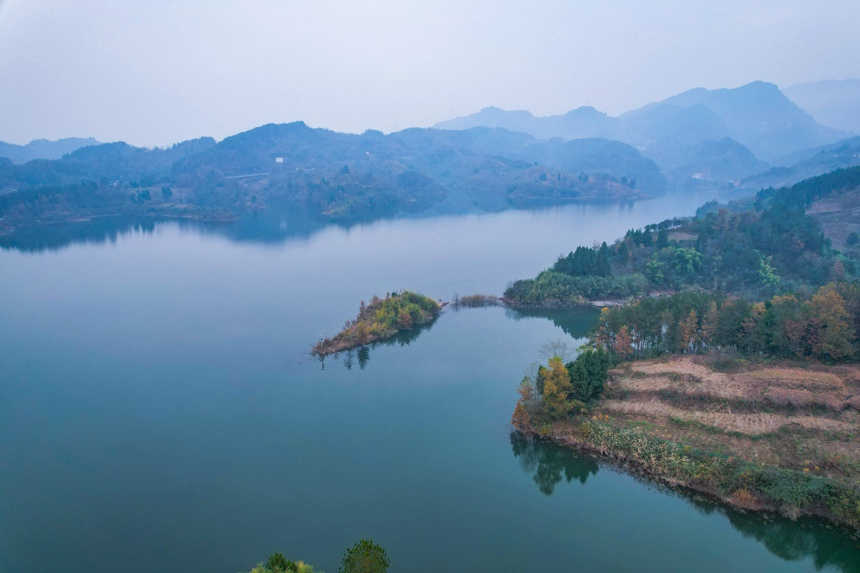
(560, 389)
(382, 318)
(363, 557)
(769, 247)
(823, 326)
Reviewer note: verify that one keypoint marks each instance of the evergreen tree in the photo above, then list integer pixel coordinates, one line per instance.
(521, 419)
(588, 374)
(365, 557)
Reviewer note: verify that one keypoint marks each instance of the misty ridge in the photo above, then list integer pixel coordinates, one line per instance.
(734, 140)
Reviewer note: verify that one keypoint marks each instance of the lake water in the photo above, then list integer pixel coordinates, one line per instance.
(159, 410)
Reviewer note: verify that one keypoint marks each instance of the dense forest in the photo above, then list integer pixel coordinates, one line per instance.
(770, 246)
(823, 326)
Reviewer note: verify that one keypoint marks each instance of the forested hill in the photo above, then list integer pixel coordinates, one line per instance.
(328, 175)
(780, 242)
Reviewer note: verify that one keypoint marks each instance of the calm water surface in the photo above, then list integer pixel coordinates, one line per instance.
(159, 410)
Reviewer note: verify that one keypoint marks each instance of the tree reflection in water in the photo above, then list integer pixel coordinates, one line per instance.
(790, 540)
(362, 353)
(550, 463)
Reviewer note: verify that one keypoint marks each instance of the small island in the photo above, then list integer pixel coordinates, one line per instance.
(380, 320)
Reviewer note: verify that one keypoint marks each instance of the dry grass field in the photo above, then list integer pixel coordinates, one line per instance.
(793, 416)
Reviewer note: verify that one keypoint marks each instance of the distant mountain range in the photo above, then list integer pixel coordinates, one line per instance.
(699, 137)
(43, 148)
(835, 103)
(738, 139)
(809, 163)
(756, 115)
(327, 175)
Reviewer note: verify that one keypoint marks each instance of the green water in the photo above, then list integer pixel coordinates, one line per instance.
(159, 410)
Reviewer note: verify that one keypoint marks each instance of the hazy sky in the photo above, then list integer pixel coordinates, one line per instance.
(157, 71)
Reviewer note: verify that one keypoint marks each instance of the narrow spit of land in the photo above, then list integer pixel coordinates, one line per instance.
(384, 318)
(380, 320)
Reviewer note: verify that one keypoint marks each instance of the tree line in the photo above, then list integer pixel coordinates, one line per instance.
(823, 326)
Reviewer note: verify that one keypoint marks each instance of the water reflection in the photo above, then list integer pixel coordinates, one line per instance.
(575, 322)
(825, 545)
(793, 541)
(281, 222)
(96, 231)
(361, 355)
(268, 226)
(549, 463)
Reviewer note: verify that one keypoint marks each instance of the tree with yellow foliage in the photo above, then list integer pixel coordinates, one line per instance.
(830, 320)
(623, 342)
(556, 389)
(521, 419)
(526, 389)
(688, 332)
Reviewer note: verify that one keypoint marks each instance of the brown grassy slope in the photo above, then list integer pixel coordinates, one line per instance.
(791, 416)
(768, 436)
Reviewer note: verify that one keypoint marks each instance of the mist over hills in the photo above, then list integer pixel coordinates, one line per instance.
(737, 139)
(757, 115)
(808, 163)
(834, 103)
(698, 137)
(43, 148)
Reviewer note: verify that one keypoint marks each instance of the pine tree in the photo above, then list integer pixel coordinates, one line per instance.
(365, 557)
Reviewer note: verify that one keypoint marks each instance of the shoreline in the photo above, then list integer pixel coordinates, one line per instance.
(639, 470)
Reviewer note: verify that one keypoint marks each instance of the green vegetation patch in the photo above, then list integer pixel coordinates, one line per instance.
(755, 250)
(382, 319)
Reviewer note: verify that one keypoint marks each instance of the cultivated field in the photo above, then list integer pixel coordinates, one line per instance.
(794, 416)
